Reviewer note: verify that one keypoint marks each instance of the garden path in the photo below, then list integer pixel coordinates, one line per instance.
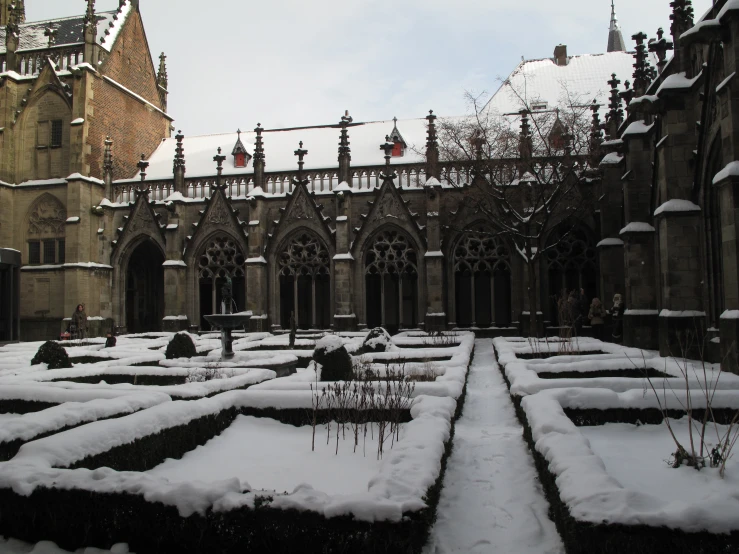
(491, 500)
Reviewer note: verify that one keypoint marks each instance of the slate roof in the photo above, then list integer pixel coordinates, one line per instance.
(70, 30)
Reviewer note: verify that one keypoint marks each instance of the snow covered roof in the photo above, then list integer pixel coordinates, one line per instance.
(280, 144)
(543, 81)
(70, 30)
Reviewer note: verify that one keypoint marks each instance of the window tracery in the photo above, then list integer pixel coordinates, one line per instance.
(221, 258)
(305, 254)
(391, 253)
(478, 251)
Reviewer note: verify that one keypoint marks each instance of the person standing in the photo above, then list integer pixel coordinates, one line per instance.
(617, 312)
(79, 320)
(595, 316)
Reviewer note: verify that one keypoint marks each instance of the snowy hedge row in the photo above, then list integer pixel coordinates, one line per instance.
(396, 510)
(592, 510)
(524, 379)
(18, 430)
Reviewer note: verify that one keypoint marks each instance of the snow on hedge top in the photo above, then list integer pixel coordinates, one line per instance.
(592, 495)
(329, 343)
(677, 205)
(407, 471)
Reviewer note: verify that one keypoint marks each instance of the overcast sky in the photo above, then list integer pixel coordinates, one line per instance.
(286, 63)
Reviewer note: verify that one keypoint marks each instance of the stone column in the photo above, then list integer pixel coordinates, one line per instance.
(611, 247)
(434, 260)
(257, 291)
(640, 320)
(176, 317)
(345, 317)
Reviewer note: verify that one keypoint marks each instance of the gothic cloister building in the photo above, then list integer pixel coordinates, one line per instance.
(374, 232)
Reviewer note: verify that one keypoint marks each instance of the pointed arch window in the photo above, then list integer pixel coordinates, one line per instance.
(391, 281)
(305, 283)
(221, 257)
(482, 280)
(46, 231)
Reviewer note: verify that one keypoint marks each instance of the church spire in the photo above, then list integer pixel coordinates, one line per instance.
(615, 38)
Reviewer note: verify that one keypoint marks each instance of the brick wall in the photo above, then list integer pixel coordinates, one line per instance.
(135, 127)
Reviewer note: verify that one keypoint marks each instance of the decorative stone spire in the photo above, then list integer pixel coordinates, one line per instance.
(615, 110)
(12, 17)
(432, 148)
(219, 159)
(681, 17)
(596, 134)
(178, 167)
(525, 147)
(12, 9)
(142, 165)
(51, 33)
(300, 153)
(387, 147)
(108, 168)
(345, 155)
(90, 21)
(615, 38)
(641, 66)
(259, 158)
(162, 72)
(660, 48)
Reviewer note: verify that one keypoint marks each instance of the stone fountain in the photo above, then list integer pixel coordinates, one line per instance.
(227, 321)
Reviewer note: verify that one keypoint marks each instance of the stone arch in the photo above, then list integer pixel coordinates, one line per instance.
(712, 234)
(37, 156)
(391, 273)
(138, 272)
(481, 276)
(215, 256)
(569, 263)
(302, 267)
(45, 230)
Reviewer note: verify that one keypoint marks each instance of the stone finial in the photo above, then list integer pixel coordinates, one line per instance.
(162, 80)
(641, 65)
(108, 155)
(660, 46)
(387, 147)
(258, 160)
(526, 145)
(432, 148)
(615, 111)
(219, 159)
(179, 151)
(300, 153)
(681, 17)
(344, 149)
(142, 165)
(596, 132)
(51, 33)
(90, 19)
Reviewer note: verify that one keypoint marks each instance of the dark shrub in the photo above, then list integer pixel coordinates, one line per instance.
(52, 354)
(336, 361)
(377, 340)
(181, 346)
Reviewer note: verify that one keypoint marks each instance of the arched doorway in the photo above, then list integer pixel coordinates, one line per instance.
(391, 281)
(220, 258)
(572, 264)
(305, 283)
(145, 289)
(482, 280)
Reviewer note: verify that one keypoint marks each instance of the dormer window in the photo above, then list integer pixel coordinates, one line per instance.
(241, 156)
(399, 144)
(538, 106)
(558, 134)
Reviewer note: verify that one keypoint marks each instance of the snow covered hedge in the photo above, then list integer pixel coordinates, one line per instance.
(103, 505)
(593, 511)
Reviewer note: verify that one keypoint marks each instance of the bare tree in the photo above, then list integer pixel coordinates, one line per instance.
(527, 172)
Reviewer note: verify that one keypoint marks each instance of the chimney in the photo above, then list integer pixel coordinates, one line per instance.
(560, 54)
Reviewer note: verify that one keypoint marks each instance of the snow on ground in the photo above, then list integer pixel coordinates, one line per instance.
(261, 452)
(13, 546)
(622, 447)
(491, 500)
